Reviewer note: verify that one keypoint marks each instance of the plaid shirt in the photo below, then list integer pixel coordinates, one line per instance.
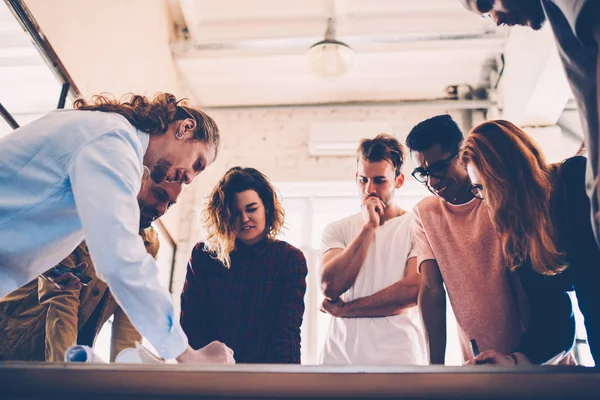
(255, 307)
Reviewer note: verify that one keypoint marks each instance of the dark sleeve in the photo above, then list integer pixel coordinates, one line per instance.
(552, 330)
(195, 311)
(286, 346)
(582, 252)
(580, 64)
(571, 205)
(581, 16)
(62, 309)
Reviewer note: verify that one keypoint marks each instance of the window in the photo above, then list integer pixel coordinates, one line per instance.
(29, 87)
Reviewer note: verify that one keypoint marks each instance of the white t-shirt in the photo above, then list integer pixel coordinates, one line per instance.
(393, 340)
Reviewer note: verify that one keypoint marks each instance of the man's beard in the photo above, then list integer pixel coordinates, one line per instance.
(146, 223)
(160, 170)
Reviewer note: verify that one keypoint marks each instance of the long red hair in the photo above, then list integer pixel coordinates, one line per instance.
(518, 182)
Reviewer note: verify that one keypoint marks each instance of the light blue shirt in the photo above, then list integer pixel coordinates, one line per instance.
(75, 174)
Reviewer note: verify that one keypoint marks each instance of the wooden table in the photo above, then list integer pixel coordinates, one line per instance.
(119, 381)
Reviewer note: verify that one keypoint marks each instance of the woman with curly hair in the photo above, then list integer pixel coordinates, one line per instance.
(244, 287)
(542, 216)
(77, 173)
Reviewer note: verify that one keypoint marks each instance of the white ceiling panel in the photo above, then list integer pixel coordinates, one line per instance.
(254, 53)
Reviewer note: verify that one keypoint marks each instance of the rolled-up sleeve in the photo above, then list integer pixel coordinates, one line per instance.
(62, 306)
(105, 178)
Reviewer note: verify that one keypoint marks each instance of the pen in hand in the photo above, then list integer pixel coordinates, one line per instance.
(475, 349)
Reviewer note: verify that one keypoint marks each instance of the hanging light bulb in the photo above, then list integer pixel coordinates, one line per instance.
(330, 57)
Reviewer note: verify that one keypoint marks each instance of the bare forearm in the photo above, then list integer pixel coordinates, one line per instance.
(389, 301)
(433, 311)
(339, 273)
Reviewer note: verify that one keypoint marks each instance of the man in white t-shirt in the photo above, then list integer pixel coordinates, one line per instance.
(369, 274)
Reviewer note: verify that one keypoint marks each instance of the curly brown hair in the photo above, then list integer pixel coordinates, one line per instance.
(154, 116)
(219, 216)
(518, 181)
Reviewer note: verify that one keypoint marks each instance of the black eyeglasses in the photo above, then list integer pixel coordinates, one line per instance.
(438, 170)
(476, 190)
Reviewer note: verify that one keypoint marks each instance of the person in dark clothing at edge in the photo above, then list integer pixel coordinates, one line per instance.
(541, 214)
(576, 28)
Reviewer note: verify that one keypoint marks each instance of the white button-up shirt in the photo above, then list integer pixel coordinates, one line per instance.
(75, 174)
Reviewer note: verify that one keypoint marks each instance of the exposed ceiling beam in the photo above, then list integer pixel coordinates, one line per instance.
(8, 117)
(179, 29)
(431, 103)
(183, 47)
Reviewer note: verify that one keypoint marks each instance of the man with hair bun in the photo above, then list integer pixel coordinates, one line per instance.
(369, 273)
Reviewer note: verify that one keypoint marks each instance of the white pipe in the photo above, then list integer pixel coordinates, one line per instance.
(426, 103)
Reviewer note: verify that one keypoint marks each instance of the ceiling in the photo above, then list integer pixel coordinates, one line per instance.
(239, 53)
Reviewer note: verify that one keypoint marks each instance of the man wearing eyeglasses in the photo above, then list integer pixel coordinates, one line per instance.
(576, 27)
(457, 246)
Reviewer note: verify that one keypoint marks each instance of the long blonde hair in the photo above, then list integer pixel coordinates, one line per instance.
(518, 183)
(218, 216)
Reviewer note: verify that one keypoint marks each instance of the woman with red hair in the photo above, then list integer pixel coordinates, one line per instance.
(541, 213)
